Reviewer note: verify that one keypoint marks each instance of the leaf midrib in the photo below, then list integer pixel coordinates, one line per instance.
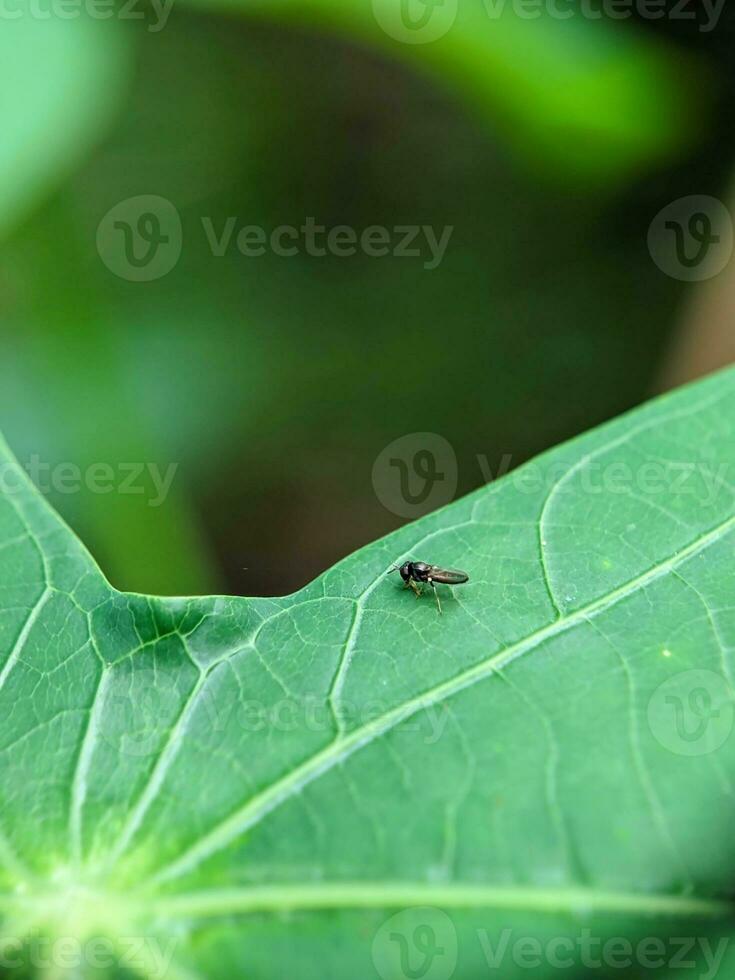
(354, 895)
(382, 894)
(210, 903)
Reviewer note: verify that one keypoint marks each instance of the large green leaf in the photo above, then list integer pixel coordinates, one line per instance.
(343, 783)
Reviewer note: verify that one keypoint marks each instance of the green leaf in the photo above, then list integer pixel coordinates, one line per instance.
(582, 94)
(64, 77)
(342, 782)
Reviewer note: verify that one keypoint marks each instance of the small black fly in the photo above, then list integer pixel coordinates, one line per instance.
(415, 572)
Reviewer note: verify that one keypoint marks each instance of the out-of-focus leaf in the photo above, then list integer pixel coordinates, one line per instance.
(595, 100)
(61, 81)
(86, 416)
(215, 367)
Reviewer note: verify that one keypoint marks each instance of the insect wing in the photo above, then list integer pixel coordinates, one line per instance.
(448, 576)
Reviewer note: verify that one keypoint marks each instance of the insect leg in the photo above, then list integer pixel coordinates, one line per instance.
(436, 596)
(415, 588)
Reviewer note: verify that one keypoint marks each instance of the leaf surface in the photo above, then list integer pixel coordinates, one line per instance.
(259, 786)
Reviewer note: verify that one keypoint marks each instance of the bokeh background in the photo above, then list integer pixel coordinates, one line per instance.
(274, 383)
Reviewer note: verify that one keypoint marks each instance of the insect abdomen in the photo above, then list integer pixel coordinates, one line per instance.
(449, 576)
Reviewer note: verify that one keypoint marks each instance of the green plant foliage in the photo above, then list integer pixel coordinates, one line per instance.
(583, 94)
(121, 364)
(64, 79)
(259, 784)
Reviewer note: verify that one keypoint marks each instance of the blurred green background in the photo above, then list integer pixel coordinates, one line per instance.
(274, 383)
